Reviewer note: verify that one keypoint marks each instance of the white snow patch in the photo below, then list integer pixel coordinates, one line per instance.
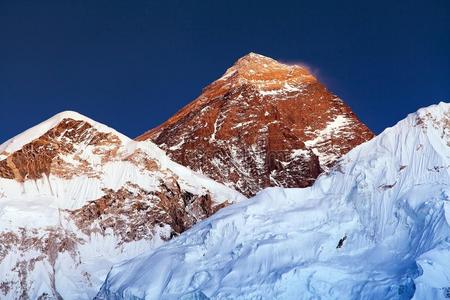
(353, 235)
(299, 152)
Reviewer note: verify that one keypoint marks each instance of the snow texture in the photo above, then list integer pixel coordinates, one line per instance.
(375, 227)
(43, 252)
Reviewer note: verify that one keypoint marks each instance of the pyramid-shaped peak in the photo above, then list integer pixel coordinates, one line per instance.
(70, 114)
(37, 131)
(259, 107)
(257, 67)
(252, 59)
(255, 58)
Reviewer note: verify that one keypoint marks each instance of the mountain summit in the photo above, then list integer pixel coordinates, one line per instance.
(267, 73)
(77, 196)
(263, 123)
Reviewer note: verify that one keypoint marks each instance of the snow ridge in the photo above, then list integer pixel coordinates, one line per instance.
(35, 132)
(60, 234)
(376, 227)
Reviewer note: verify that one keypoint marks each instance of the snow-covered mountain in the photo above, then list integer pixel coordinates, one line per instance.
(375, 227)
(263, 123)
(76, 196)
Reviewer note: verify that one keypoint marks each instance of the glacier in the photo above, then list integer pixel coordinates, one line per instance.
(376, 226)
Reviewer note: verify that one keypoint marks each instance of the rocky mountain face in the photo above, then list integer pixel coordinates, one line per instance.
(376, 226)
(77, 196)
(263, 123)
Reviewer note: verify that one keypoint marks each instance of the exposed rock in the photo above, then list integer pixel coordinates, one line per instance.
(77, 196)
(133, 212)
(58, 152)
(261, 124)
(33, 246)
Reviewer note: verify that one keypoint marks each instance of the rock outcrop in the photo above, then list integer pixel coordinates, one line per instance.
(263, 123)
(77, 196)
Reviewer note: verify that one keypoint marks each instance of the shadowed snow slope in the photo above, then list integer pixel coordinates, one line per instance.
(375, 227)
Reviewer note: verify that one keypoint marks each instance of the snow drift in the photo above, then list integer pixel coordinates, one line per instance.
(375, 227)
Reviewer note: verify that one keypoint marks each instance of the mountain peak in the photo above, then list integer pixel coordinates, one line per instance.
(263, 123)
(435, 120)
(436, 111)
(71, 190)
(65, 145)
(255, 58)
(37, 131)
(261, 70)
(70, 114)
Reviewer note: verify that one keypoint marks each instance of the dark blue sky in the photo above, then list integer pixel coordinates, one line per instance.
(132, 64)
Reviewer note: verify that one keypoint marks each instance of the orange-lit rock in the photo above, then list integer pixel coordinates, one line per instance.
(261, 124)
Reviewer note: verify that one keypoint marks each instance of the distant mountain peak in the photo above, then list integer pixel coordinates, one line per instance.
(255, 59)
(65, 145)
(28, 136)
(70, 114)
(263, 123)
(77, 196)
(267, 73)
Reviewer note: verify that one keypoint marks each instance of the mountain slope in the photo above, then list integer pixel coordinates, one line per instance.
(77, 196)
(261, 124)
(375, 227)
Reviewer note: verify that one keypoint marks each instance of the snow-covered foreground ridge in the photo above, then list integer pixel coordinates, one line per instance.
(375, 227)
(76, 197)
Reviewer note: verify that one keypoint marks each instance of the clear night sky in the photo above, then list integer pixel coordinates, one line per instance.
(132, 64)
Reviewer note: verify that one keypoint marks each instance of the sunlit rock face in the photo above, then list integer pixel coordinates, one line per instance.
(77, 196)
(263, 123)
